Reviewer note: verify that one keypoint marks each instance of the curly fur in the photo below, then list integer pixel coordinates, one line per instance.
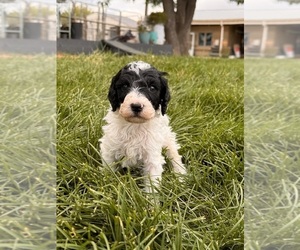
(137, 127)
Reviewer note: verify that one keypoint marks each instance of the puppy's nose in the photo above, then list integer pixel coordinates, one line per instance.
(136, 107)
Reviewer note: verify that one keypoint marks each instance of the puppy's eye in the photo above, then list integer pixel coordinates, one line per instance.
(125, 86)
(152, 88)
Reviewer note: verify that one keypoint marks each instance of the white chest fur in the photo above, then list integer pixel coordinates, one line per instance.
(132, 142)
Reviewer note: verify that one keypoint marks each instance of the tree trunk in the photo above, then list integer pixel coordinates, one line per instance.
(178, 26)
(146, 8)
(170, 26)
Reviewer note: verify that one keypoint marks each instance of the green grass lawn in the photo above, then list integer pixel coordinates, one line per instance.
(100, 209)
(27, 152)
(272, 152)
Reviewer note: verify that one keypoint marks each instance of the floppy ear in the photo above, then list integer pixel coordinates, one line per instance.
(165, 95)
(112, 93)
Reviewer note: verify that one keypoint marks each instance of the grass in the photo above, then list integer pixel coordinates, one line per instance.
(27, 153)
(272, 151)
(100, 209)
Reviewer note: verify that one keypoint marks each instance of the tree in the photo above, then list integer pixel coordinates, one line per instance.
(178, 26)
(238, 1)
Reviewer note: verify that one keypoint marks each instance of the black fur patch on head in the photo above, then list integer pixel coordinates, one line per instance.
(146, 80)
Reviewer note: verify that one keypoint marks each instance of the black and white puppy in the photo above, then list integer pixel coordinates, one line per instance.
(137, 125)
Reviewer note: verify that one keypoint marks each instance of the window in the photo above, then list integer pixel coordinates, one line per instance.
(205, 39)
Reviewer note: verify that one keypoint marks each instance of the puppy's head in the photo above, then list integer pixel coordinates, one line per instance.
(138, 92)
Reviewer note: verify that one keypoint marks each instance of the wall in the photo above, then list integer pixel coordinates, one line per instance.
(254, 35)
(277, 36)
(214, 29)
(230, 37)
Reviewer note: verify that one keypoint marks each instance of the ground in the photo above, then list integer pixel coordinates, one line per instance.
(218, 107)
(97, 207)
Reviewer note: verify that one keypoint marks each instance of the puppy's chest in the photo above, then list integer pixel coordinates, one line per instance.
(136, 142)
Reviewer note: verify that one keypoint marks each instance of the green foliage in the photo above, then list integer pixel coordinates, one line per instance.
(13, 19)
(100, 209)
(142, 27)
(157, 18)
(77, 11)
(154, 2)
(238, 1)
(34, 11)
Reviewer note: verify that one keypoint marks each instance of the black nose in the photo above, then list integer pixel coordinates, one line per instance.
(136, 107)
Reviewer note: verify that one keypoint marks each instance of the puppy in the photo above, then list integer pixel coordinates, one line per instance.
(137, 125)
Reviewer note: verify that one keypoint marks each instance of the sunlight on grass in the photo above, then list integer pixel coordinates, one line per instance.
(99, 209)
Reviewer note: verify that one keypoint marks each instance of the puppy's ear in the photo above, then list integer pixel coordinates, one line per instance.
(165, 94)
(112, 93)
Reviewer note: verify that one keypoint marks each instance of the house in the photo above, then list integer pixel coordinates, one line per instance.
(254, 32)
(272, 33)
(217, 33)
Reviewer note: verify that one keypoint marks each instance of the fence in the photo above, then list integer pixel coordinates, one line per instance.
(79, 20)
(33, 20)
(73, 20)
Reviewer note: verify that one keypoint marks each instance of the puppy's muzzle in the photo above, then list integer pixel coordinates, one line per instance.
(136, 107)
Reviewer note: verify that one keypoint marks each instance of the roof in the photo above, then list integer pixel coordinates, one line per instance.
(249, 16)
(216, 17)
(272, 16)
